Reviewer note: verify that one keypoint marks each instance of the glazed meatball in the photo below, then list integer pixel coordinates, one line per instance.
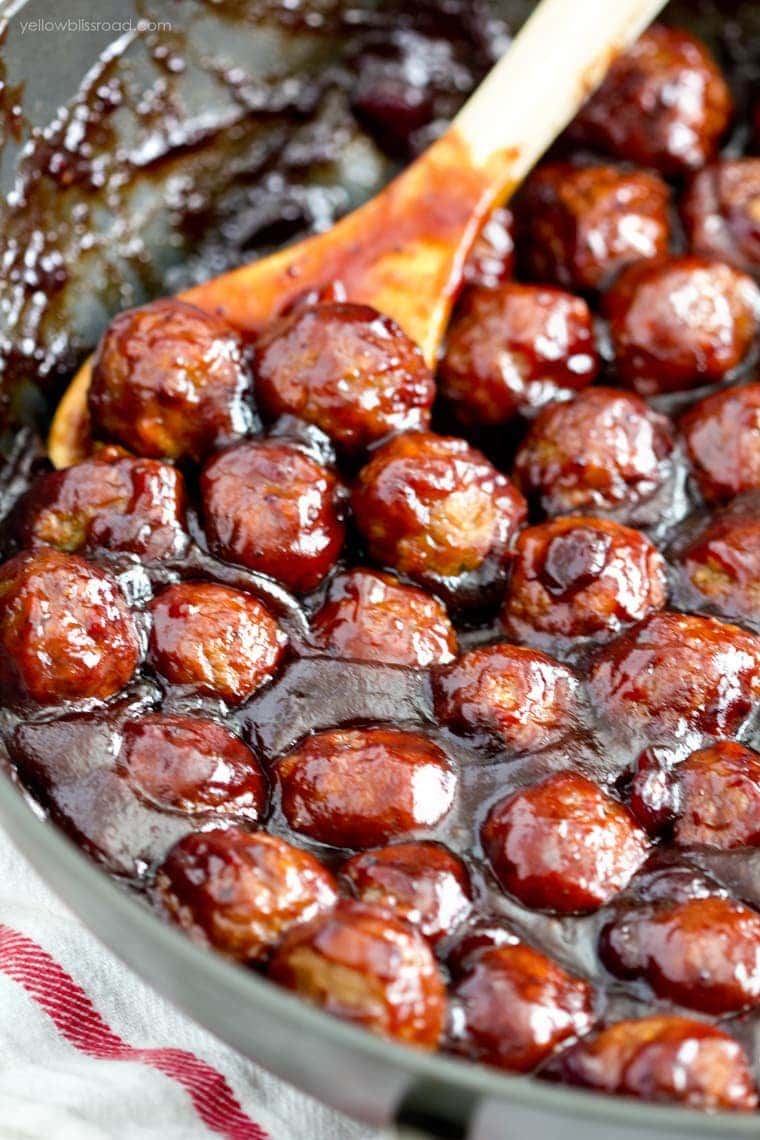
(518, 1006)
(423, 883)
(664, 103)
(563, 844)
(675, 675)
(241, 891)
(719, 567)
(576, 578)
(717, 797)
(347, 369)
(491, 259)
(370, 616)
(487, 932)
(513, 349)
(721, 212)
(722, 438)
(363, 965)
(680, 323)
(434, 508)
(664, 1058)
(112, 502)
(578, 226)
(66, 633)
(270, 507)
(214, 639)
(519, 696)
(361, 787)
(604, 452)
(169, 380)
(191, 764)
(701, 953)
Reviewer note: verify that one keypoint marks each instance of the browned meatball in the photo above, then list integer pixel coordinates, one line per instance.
(603, 452)
(578, 226)
(513, 349)
(65, 630)
(717, 797)
(191, 764)
(518, 1006)
(169, 380)
(370, 616)
(434, 508)
(664, 1058)
(361, 787)
(214, 639)
(581, 578)
(491, 259)
(111, 502)
(241, 891)
(675, 674)
(522, 697)
(722, 438)
(701, 953)
(423, 883)
(721, 212)
(347, 369)
(680, 322)
(664, 104)
(719, 567)
(269, 506)
(563, 844)
(363, 965)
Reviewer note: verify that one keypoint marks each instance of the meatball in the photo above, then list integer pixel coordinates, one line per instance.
(563, 844)
(578, 226)
(169, 380)
(66, 633)
(370, 616)
(434, 508)
(241, 891)
(664, 104)
(519, 696)
(518, 1006)
(651, 794)
(721, 212)
(270, 507)
(490, 261)
(603, 452)
(676, 674)
(361, 787)
(488, 932)
(513, 349)
(581, 578)
(722, 438)
(191, 764)
(217, 640)
(664, 1058)
(717, 797)
(701, 953)
(112, 502)
(423, 883)
(680, 323)
(362, 965)
(347, 369)
(719, 567)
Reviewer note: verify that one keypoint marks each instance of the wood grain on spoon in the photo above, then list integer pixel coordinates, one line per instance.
(403, 252)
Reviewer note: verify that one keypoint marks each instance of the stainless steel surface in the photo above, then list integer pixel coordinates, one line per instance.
(373, 1080)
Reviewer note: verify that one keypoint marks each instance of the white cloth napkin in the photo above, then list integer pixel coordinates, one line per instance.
(87, 1052)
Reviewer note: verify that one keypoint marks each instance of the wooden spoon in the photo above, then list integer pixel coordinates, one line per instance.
(404, 251)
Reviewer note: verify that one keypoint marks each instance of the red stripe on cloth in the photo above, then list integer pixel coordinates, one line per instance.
(76, 1019)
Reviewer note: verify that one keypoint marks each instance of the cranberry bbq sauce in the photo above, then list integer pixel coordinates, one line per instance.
(435, 696)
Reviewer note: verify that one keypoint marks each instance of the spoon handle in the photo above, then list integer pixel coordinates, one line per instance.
(571, 43)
